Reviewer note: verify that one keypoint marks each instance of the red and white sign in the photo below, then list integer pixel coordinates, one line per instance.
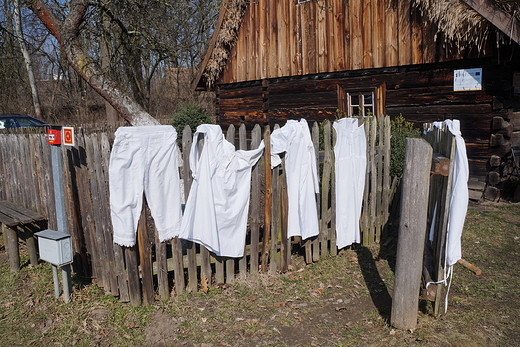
(67, 134)
(54, 136)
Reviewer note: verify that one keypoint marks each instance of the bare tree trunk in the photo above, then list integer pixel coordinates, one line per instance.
(27, 59)
(67, 35)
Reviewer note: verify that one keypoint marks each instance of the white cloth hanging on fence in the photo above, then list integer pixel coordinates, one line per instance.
(458, 205)
(459, 195)
(217, 207)
(350, 153)
(144, 158)
(294, 139)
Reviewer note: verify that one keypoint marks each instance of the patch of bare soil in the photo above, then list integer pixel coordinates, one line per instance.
(322, 324)
(161, 330)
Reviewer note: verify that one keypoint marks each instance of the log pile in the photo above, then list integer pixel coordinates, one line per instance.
(505, 136)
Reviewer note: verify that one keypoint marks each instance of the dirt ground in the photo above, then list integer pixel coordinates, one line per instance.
(338, 301)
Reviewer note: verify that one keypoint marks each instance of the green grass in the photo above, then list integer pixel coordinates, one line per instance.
(329, 303)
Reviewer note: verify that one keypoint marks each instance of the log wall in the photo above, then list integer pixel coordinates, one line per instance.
(419, 93)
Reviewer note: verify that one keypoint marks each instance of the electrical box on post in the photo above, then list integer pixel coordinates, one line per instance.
(55, 247)
(54, 135)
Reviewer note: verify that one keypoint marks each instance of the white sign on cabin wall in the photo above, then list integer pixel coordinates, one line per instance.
(467, 79)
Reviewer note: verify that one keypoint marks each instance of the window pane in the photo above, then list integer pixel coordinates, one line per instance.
(367, 99)
(25, 122)
(354, 99)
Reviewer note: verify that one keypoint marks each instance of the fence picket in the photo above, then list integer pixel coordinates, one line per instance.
(325, 189)
(242, 144)
(255, 203)
(316, 142)
(332, 230)
(102, 176)
(145, 256)
(230, 262)
(268, 198)
(134, 283)
(275, 219)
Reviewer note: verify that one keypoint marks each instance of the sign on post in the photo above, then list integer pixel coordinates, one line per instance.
(67, 136)
(54, 135)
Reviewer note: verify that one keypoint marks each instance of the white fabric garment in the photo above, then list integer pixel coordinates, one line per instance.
(218, 203)
(294, 139)
(350, 152)
(144, 158)
(459, 195)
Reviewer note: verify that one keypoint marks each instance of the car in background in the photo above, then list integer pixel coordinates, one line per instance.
(19, 121)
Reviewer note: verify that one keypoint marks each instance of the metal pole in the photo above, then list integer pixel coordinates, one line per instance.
(59, 196)
(56, 281)
(61, 218)
(65, 276)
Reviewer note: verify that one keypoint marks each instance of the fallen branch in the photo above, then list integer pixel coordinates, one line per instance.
(470, 266)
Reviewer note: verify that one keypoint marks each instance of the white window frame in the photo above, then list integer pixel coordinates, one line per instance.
(361, 106)
(348, 107)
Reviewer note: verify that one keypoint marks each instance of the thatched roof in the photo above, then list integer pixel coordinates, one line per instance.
(226, 33)
(463, 25)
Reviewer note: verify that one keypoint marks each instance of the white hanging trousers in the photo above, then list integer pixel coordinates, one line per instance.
(145, 158)
(294, 138)
(350, 152)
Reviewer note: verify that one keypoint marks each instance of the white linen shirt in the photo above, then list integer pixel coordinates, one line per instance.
(294, 139)
(350, 152)
(218, 203)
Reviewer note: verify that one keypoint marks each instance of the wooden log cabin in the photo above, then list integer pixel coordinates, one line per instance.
(272, 60)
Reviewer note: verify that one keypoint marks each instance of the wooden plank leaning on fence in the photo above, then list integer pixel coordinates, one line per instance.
(412, 232)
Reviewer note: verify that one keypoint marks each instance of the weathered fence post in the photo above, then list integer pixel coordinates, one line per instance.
(255, 203)
(268, 200)
(412, 232)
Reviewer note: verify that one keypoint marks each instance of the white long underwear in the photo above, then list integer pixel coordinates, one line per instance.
(459, 195)
(295, 140)
(350, 152)
(218, 203)
(145, 158)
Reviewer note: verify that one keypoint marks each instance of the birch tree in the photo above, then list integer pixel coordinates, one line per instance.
(27, 59)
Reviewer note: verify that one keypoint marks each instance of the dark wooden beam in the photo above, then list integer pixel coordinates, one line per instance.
(499, 18)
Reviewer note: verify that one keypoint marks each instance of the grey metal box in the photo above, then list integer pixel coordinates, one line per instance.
(55, 247)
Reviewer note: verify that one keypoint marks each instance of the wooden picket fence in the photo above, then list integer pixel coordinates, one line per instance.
(153, 270)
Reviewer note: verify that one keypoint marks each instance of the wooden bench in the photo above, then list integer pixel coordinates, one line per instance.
(17, 221)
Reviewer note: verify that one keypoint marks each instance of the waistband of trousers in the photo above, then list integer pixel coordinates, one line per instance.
(146, 130)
